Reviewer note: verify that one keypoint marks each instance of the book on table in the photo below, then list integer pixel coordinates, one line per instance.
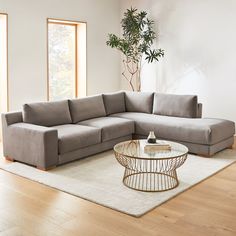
(158, 146)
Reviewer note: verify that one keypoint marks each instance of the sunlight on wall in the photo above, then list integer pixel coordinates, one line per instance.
(199, 42)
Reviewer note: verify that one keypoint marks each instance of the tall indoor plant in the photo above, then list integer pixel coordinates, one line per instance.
(136, 45)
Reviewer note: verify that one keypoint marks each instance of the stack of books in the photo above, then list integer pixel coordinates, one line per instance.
(158, 146)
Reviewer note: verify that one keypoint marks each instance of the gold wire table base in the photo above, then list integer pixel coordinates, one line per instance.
(150, 172)
(150, 181)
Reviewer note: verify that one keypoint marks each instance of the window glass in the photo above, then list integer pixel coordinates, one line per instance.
(62, 61)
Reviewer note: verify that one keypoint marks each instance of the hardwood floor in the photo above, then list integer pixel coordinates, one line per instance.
(29, 208)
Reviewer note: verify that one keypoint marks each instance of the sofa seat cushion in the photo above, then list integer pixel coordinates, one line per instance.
(47, 113)
(72, 137)
(112, 127)
(201, 131)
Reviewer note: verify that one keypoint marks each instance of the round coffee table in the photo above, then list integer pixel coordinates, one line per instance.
(150, 171)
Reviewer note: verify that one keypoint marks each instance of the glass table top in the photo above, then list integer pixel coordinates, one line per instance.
(135, 149)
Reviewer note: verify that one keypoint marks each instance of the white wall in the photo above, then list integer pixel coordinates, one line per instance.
(27, 44)
(3, 63)
(199, 39)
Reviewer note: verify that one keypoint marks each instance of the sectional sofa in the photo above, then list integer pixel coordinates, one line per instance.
(48, 134)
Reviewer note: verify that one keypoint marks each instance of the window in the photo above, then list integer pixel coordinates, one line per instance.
(66, 59)
(3, 64)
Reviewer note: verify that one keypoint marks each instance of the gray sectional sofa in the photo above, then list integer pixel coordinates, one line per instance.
(52, 133)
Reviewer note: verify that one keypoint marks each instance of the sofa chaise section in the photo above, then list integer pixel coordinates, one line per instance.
(177, 118)
(202, 136)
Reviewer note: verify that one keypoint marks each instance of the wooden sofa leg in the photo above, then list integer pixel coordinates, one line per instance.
(45, 169)
(9, 159)
(205, 155)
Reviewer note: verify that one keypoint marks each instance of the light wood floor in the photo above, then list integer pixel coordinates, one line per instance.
(29, 208)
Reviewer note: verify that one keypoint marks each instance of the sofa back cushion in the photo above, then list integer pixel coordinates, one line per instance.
(175, 105)
(139, 102)
(114, 102)
(47, 113)
(87, 108)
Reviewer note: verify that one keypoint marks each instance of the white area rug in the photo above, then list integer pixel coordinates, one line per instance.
(99, 179)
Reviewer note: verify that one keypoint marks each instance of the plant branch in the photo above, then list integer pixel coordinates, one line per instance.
(137, 41)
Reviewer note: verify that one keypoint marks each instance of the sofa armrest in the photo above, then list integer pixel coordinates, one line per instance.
(199, 110)
(12, 117)
(32, 144)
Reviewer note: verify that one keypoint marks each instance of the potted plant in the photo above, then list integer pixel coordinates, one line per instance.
(136, 45)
